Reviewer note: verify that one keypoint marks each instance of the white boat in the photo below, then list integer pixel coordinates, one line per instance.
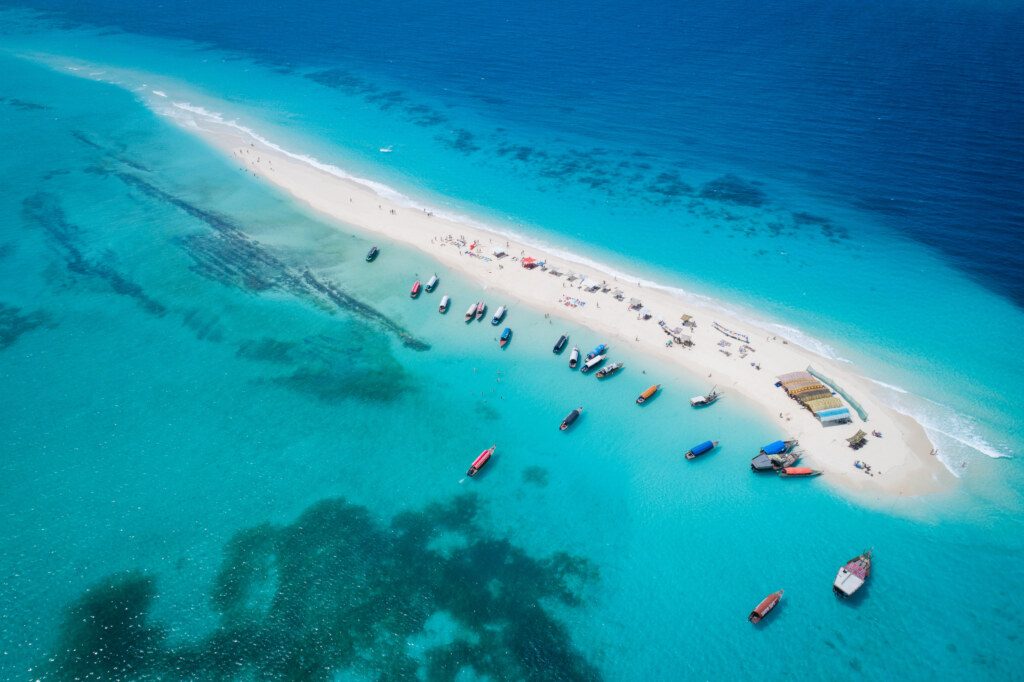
(574, 357)
(387, 150)
(431, 283)
(471, 311)
(499, 314)
(592, 363)
(443, 308)
(705, 400)
(852, 575)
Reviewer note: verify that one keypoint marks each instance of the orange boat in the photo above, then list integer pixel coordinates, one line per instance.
(794, 472)
(765, 607)
(646, 395)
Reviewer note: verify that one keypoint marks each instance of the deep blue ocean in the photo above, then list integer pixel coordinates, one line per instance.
(232, 450)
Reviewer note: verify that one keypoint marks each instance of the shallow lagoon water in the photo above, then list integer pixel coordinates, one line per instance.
(184, 413)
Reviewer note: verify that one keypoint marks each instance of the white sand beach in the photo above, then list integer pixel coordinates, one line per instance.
(901, 461)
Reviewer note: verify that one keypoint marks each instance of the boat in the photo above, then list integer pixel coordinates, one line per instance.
(506, 336)
(853, 575)
(601, 348)
(705, 400)
(560, 344)
(443, 307)
(765, 607)
(499, 315)
(387, 150)
(481, 308)
(432, 283)
(698, 450)
(480, 461)
(574, 357)
(795, 472)
(571, 418)
(592, 363)
(611, 369)
(372, 255)
(646, 395)
(779, 447)
(415, 289)
(471, 311)
(763, 462)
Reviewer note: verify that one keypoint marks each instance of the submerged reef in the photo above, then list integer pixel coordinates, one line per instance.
(14, 322)
(340, 591)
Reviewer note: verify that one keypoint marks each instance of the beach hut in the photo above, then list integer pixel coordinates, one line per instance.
(857, 440)
(822, 404)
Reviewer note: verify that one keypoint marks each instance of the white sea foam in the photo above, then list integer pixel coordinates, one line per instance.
(807, 341)
(159, 93)
(891, 387)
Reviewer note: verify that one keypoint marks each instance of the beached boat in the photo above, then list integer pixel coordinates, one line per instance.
(705, 400)
(560, 344)
(480, 461)
(481, 308)
(611, 369)
(471, 311)
(601, 348)
(574, 357)
(704, 448)
(765, 607)
(853, 575)
(779, 447)
(797, 472)
(372, 255)
(506, 336)
(432, 283)
(499, 315)
(592, 363)
(443, 307)
(763, 462)
(647, 394)
(571, 418)
(415, 291)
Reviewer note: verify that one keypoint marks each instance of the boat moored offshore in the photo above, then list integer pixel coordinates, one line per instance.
(499, 315)
(648, 394)
(765, 607)
(445, 302)
(601, 348)
(481, 308)
(471, 311)
(611, 369)
(560, 344)
(705, 400)
(574, 357)
(763, 462)
(431, 283)
(372, 255)
(592, 363)
(480, 461)
(415, 291)
(701, 449)
(571, 418)
(506, 336)
(852, 575)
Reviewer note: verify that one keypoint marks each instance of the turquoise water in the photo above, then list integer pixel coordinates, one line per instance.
(240, 475)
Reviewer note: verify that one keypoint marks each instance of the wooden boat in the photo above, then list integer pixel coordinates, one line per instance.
(571, 418)
(480, 461)
(705, 400)
(372, 255)
(506, 336)
(415, 289)
(704, 448)
(445, 301)
(560, 344)
(765, 607)
(481, 308)
(646, 395)
(592, 363)
(471, 311)
(574, 357)
(431, 283)
(499, 315)
(796, 472)
(852, 576)
(611, 369)
(601, 348)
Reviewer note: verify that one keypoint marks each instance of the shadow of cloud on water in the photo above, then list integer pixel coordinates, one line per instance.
(339, 590)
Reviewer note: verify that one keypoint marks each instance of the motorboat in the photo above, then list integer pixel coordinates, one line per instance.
(560, 344)
(480, 461)
(574, 357)
(571, 419)
(611, 369)
(506, 336)
(592, 363)
(445, 302)
(372, 255)
(798, 472)
(705, 400)
(852, 576)
(481, 308)
(415, 291)
(499, 315)
(701, 449)
(601, 348)
(471, 311)
(765, 607)
(647, 394)
(432, 283)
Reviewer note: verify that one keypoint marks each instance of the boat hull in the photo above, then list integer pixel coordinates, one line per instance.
(765, 607)
(506, 336)
(648, 394)
(702, 449)
(560, 344)
(574, 358)
(415, 292)
(480, 461)
(372, 255)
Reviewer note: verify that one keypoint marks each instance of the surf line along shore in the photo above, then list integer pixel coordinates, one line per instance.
(902, 463)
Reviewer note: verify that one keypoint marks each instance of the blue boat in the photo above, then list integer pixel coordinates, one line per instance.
(698, 450)
(506, 336)
(778, 447)
(597, 351)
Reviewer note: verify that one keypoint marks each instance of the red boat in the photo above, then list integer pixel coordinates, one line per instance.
(415, 290)
(765, 607)
(480, 461)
